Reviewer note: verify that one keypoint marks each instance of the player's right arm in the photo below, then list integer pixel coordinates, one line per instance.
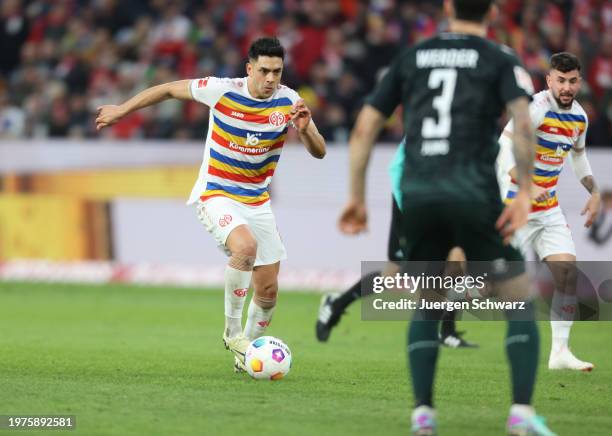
(370, 121)
(109, 114)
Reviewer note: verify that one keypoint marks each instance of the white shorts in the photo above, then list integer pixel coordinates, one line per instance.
(547, 234)
(221, 215)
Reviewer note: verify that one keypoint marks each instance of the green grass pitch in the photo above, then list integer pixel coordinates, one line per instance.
(149, 361)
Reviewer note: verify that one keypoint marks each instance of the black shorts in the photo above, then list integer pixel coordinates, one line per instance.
(394, 246)
(430, 230)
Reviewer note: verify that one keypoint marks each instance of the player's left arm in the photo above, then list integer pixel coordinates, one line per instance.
(516, 213)
(537, 111)
(582, 170)
(307, 130)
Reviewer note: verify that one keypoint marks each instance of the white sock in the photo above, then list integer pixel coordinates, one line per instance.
(423, 410)
(257, 321)
(524, 410)
(560, 334)
(562, 313)
(237, 284)
(563, 307)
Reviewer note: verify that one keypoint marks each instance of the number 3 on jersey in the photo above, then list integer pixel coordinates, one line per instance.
(447, 78)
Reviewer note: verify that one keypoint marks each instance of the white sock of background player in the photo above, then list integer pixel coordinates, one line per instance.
(562, 312)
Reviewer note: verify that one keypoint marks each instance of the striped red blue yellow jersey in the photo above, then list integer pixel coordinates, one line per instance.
(558, 132)
(244, 140)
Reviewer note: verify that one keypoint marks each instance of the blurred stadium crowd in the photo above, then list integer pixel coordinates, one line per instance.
(60, 59)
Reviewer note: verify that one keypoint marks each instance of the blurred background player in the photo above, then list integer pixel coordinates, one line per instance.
(248, 125)
(453, 88)
(561, 128)
(333, 305)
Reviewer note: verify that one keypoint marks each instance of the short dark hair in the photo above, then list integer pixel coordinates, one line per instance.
(564, 62)
(472, 10)
(266, 47)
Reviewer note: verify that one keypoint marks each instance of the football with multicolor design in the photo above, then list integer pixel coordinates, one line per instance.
(268, 358)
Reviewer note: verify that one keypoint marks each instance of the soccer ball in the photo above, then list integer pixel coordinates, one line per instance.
(268, 358)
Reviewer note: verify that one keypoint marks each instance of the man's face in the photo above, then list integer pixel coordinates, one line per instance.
(264, 75)
(564, 86)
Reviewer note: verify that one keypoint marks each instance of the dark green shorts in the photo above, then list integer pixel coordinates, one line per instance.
(430, 230)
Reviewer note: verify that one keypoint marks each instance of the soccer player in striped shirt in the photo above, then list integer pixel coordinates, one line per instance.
(561, 125)
(249, 120)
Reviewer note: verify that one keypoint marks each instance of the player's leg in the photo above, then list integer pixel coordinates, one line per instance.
(270, 252)
(449, 336)
(554, 244)
(474, 228)
(422, 351)
(522, 349)
(425, 238)
(333, 306)
(261, 307)
(238, 273)
(563, 310)
(226, 222)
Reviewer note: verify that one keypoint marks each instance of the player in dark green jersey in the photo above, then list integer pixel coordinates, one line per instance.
(333, 306)
(453, 88)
